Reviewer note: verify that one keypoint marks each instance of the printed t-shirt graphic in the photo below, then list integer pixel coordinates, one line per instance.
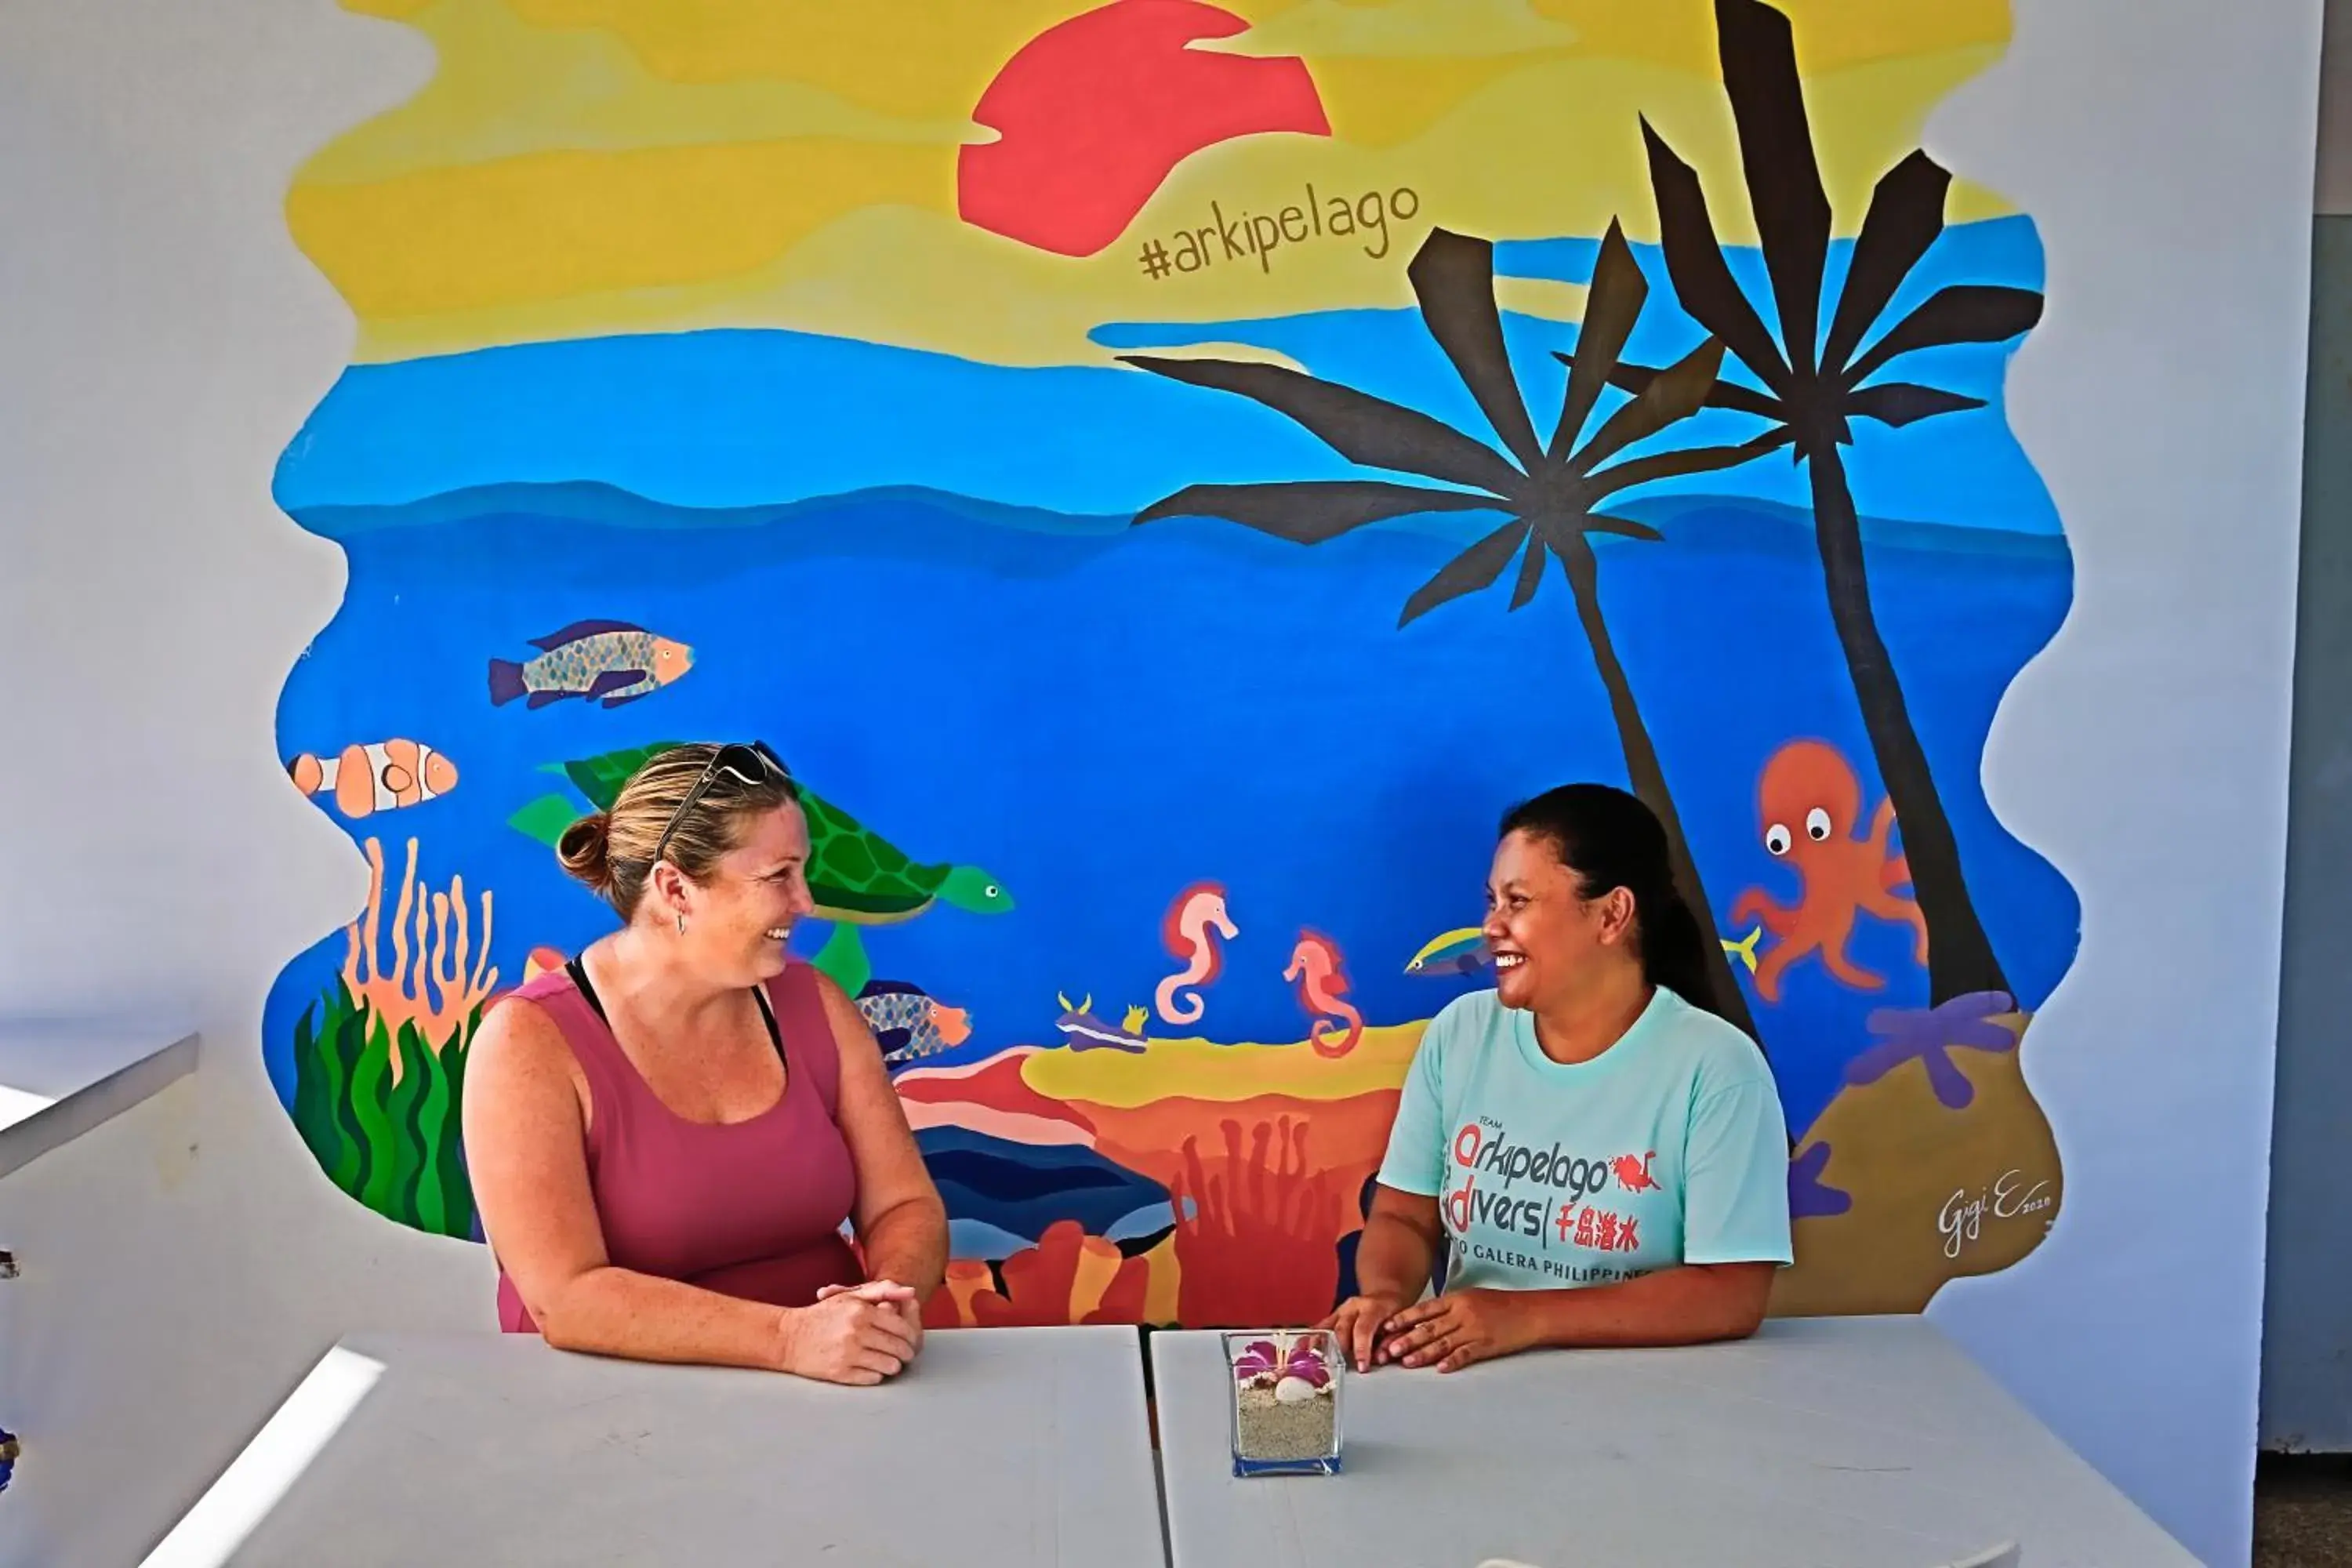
(1667, 1148)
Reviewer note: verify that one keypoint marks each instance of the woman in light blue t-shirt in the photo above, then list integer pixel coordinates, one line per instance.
(1604, 1155)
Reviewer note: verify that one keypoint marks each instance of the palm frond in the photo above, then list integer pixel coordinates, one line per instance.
(1759, 50)
(1702, 278)
(1612, 304)
(1358, 425)
(1906, 214)
(1963, 313)
(1452, 277)
(1474, 568)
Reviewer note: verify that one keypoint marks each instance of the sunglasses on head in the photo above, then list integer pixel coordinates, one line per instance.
(753, 763)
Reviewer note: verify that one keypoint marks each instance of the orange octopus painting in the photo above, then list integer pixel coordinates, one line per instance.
(1811, 804)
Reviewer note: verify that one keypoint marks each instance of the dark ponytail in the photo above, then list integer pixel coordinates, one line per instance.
(1610, 840)
(1674, 948)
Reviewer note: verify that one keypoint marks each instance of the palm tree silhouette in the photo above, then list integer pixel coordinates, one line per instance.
(1814, 390)
(1548, 490)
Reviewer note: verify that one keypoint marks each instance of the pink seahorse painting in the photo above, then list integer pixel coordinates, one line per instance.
(1193, 925)
(1315, 965)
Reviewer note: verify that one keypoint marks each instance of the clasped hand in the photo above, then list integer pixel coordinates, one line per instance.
(856, 1334)
(1449, 1331)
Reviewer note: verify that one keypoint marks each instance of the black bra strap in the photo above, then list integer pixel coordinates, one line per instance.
(768, 1013)
(579, 973)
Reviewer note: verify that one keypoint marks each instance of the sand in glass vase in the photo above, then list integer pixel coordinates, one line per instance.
(1285, 1386)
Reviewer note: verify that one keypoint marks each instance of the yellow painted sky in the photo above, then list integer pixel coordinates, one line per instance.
(577, 167)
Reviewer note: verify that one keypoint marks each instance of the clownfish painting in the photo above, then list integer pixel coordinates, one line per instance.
(381, 777)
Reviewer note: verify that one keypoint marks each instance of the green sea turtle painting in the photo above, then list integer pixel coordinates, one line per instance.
(857, 877)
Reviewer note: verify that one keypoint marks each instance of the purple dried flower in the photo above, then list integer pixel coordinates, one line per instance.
(1257, 1358)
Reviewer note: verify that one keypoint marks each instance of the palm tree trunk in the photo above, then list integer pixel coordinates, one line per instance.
(1648, 779)
(1959, 954)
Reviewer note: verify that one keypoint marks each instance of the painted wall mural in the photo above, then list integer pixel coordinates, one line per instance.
(1168, 475)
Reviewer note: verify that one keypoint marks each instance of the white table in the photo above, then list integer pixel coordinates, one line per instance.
(1000, 1449)
(1826, 1443)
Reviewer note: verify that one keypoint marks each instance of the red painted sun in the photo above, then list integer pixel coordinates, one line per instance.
(1093, 113)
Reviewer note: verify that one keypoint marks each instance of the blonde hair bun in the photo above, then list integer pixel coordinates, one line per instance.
(586, 851)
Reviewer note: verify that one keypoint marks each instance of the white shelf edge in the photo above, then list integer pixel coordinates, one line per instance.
(73, 1114)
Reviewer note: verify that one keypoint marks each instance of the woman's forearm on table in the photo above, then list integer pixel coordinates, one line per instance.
(1394, 1260)
(617, 1311)
(1691, 1304)
(908, 1244)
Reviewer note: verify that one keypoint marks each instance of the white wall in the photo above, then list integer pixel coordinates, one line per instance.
(161, 340)
(2165, 147)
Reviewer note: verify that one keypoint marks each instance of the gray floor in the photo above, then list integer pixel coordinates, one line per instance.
(2303, 1512)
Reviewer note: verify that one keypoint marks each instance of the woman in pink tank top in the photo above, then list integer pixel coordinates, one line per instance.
(668, 1136)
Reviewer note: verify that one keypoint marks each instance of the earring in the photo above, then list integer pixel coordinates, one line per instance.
(681, 925)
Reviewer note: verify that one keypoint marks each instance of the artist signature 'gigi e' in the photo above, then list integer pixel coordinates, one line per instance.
(1961, 1221)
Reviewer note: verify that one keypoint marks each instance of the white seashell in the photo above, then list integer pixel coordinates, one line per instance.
(1294, 1391)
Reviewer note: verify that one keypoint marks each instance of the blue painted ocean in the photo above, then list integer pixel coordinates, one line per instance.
(1100, 715)
(915, 575)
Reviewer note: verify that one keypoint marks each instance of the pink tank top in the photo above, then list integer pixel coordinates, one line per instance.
(751, 1208)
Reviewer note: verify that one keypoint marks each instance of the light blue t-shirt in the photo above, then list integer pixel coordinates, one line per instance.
(1667, 1148)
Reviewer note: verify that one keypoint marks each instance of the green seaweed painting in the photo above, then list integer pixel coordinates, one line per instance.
(380, 1060)
(391, 1142)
